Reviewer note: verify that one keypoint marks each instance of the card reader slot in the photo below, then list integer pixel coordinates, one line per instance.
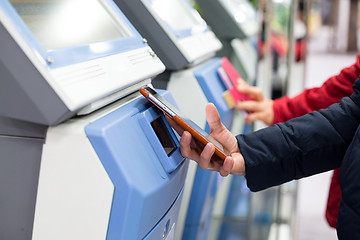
(164, 141)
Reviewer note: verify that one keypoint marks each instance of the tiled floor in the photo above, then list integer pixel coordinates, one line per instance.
(313, 191)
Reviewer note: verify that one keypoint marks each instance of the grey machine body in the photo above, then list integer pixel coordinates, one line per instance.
(223, 23)
(28, 105)
(156, 36)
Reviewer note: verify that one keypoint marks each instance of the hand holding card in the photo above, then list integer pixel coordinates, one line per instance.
(234, 77)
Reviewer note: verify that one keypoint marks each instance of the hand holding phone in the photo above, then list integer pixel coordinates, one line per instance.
(201, 137)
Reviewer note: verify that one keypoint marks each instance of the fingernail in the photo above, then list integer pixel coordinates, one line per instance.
(228, 164)
(209, 148)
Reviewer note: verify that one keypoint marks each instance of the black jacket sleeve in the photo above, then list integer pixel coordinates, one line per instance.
(301, 147)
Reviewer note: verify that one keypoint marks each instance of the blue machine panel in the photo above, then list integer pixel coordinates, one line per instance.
(237, 207)
(166, 228)
(213, 88)
(198, 218)
(148, 176)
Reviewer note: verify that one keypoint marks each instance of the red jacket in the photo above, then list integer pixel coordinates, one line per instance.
(309, 100)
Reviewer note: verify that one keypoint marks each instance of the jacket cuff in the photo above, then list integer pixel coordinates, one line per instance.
(263, 168)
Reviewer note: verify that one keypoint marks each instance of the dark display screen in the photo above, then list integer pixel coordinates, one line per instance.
(163, 135)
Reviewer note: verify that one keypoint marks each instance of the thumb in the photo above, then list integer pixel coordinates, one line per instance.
(218, 131)
(213, 118)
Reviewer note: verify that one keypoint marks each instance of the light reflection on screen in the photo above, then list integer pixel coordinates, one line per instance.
(241, 10)
(176, 14)
(66, 23)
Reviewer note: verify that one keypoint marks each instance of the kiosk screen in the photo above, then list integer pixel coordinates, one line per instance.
(175, 13)
(65, 23)
(241, 10)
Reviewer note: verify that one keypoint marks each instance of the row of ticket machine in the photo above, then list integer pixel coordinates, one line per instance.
(82, 154)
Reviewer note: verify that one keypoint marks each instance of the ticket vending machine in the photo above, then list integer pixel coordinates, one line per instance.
(236, 23)
(176, 32)
(251, 214)
(186, 45)
(82, 154)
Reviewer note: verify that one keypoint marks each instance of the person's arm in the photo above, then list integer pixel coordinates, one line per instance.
(300, 147)
(285, 108)
(309, 100)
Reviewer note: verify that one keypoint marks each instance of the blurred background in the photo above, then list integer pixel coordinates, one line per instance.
(300, 44)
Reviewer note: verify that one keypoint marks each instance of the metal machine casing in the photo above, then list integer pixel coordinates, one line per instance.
(177, 48)
(56, 182)
(55, 84)
(238, 16)
(239, 37)
(102, 178)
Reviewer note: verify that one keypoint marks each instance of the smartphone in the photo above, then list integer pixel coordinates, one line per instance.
(199, 135)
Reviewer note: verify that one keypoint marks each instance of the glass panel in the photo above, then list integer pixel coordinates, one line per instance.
(241, 10)
(175, 13)
(66, 23)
